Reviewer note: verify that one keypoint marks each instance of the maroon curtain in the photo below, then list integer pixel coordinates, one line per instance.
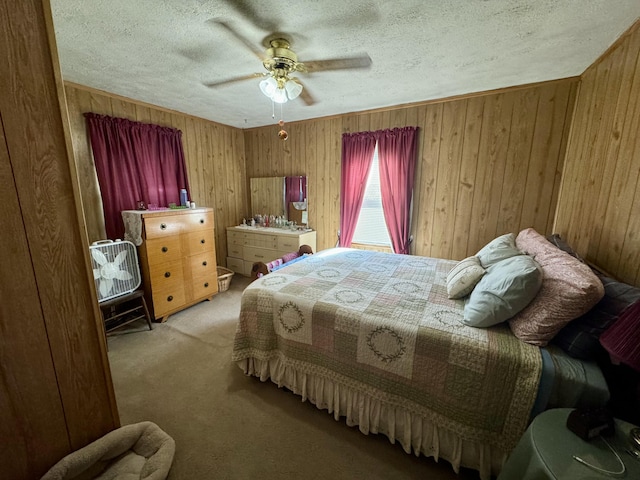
(357, 155)
(397, 157)
(135, 161)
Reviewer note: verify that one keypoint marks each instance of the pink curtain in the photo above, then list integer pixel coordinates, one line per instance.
(357, 155)
(397, 157)
(135, 161)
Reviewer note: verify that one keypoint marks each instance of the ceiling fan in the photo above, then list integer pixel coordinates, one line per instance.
(280, 62)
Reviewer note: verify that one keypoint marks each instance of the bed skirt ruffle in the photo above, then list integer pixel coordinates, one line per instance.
(415, 433)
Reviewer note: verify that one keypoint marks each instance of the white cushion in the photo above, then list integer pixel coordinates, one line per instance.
(498, 249)
(463, 277)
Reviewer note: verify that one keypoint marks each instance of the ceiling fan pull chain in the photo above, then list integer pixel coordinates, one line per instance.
(273, 109)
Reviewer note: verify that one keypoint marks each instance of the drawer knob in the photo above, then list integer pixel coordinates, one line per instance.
(206, 285)
(165, 249)
(204, 264)
(202, 241)
(167, 274)
(202, 220)
(170, 298)
(163, 226)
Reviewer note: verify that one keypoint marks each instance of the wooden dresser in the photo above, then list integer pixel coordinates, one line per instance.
(247, 245)
(177, 259)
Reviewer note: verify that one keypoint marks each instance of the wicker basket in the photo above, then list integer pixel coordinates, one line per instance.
(224, 278)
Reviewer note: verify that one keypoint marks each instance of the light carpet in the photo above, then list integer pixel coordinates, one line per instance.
(230, 426)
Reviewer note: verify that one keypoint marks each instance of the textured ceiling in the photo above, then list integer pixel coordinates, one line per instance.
(163, 51)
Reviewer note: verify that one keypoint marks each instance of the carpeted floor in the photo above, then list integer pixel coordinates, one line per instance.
(230, 426)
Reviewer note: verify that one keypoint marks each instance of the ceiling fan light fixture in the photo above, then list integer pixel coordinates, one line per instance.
(279, 95)
(268, 86)
(293, 89)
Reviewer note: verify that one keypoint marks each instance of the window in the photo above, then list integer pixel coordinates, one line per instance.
(371, 228)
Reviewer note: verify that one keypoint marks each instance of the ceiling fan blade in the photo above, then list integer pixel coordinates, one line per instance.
(236, 79)
(304, 94)
(247, 10)
(256, 51)
(335, 64)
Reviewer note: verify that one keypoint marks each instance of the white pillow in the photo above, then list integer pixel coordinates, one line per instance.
(507, 288)
(463, 277)
(498, 249)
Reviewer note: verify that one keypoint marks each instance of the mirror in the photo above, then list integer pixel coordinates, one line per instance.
(285, 196)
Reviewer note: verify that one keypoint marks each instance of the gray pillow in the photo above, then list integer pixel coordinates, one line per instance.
(463, 277)
(498, 249)
(506, 288)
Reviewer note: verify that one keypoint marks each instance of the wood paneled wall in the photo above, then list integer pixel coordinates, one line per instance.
(487, 164)
(214, 154)
(599, 203)
(56, 393)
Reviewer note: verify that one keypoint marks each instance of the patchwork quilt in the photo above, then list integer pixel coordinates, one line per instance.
(382, 323)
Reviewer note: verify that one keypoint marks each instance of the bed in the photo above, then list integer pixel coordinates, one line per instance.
(374, 338)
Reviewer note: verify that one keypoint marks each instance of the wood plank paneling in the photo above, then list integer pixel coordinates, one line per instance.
(214, 154)
(542, 176)
(599, 200)
(448, 176)
(32, 423)
(85, 166)
(468, 167)
(483, 162)
(51, 329)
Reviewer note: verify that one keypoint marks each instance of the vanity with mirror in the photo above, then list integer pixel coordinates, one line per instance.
(284, 197)
(271, 197)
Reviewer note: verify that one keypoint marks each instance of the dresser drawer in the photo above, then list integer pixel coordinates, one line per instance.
(197, 221)
(203, 265)
(235, 251)
(261, 241)
(235, 238)
(198, 242)
(205, 286)
(163, 250)
(165, 301)
(165, 276)
(236, 264)
(156, 227)
(253, 254)
(288, 244)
